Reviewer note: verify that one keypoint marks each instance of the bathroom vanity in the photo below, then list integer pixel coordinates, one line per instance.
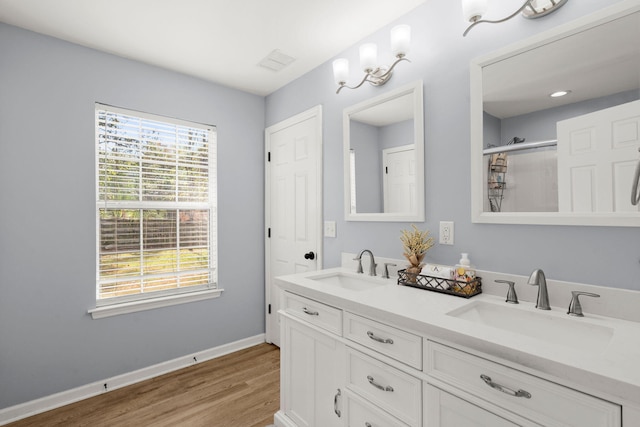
(363, 351)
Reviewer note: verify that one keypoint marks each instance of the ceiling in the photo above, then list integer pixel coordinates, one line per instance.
(386, 113)
(222, 41)
(593, 63)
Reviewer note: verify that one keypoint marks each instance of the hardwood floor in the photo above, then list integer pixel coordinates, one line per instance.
(241, 389)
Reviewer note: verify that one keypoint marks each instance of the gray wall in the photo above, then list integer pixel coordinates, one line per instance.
(396, 135)
(48, 342)
(365, 141)
(440, 56)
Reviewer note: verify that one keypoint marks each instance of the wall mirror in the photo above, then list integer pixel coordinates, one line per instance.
(566, 160)
(384, 157)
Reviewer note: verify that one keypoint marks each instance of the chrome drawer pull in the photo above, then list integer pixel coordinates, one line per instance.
(382, 340)
(378, 386)
(335, 404)
(519, 393)
(367, 424)
(309, 312)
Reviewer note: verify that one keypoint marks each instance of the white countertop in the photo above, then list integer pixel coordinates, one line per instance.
(612, 372)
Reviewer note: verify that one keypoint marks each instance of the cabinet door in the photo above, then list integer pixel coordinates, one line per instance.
(312, 373)
(446, 410)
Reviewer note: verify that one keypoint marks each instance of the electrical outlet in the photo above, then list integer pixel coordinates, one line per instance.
(446, 232)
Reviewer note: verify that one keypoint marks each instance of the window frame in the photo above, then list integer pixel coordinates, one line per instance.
(143, 301)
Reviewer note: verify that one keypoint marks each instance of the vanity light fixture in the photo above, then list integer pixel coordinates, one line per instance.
(375, 74)
(474, 9)
(559, 93)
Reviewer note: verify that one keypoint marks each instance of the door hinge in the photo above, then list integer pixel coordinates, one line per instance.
(269, 156)
(269, 308)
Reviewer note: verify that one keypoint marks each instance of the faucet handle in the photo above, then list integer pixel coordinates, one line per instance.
(385, 275)
(512, 298)
(575, 308)
(359, 269)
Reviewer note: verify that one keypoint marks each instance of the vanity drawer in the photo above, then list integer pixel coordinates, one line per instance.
(361, 413)
(390, 341)
(316, 313)
(547, 403)
(394, 391)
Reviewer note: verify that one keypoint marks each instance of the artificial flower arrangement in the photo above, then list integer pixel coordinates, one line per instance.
(415, 243)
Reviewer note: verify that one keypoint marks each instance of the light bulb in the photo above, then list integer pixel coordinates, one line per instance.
(340, 70)
(472, 10)
(400, 40)
(368, 56)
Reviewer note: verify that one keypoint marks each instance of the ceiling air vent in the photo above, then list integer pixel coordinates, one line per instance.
(276, 60)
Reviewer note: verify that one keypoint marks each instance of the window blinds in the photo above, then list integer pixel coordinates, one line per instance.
(156, 194)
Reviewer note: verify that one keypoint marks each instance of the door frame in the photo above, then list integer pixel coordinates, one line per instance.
(314, 112)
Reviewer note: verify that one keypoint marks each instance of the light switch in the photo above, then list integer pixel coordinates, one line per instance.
(329, 229)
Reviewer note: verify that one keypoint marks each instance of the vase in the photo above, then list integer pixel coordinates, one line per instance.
(412, 273)
(414, 268)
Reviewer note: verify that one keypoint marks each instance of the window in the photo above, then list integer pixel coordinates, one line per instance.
(155, 207)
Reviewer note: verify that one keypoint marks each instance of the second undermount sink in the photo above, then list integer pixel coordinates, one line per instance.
(546, 326)
(351, 281)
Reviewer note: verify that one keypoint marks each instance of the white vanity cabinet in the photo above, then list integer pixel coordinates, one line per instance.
(312, 368)
(340, 368)
(533, 398)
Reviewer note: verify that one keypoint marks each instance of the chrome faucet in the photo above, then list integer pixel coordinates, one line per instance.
(537, 279)
(372, 266)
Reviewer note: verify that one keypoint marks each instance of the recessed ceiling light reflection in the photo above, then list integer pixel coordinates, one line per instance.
(560, 93)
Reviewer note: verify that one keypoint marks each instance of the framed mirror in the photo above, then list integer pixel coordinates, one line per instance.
(384, 157)
(540, 158)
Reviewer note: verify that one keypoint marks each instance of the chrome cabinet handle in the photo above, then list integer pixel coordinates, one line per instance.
(519, 393)
(335, 404)
(378, 386)
(382, 340)
(635, 196)
(367, 424)
(309, 312)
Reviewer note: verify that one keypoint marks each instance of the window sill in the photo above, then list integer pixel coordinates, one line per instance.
(149, 304)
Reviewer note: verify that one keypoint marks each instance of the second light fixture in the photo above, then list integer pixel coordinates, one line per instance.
(375, 74)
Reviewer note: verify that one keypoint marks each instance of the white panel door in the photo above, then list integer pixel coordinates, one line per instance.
(399, 179)
(597, 156)
(293, 205)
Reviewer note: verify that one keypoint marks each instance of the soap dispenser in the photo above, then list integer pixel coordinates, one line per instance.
(464, 272)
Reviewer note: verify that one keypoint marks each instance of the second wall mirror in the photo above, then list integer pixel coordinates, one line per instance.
(384, 157)
(542, 158)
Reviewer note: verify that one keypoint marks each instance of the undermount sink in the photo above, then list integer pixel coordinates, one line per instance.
(545, 326)
(351, 281)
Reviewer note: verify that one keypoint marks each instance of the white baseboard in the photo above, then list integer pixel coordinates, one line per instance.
(27, 409)
(281, 420)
